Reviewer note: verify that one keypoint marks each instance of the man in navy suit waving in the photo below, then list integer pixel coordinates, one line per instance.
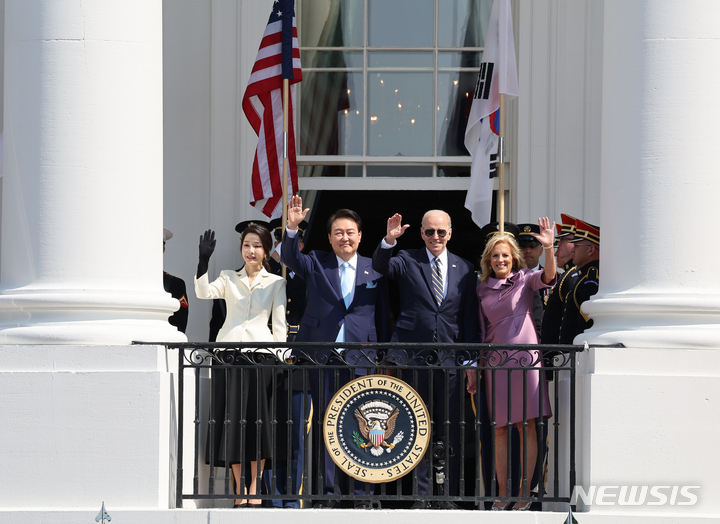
(347, 302)
(438, 303)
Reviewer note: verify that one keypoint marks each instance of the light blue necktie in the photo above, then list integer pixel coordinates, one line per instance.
(346, 283)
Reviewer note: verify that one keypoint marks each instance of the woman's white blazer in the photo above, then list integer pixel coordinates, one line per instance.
(248, 306)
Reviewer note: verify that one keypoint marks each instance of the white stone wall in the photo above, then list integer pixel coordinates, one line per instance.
(647, 417)
(83, 424)
(558, 112)
(209, 50)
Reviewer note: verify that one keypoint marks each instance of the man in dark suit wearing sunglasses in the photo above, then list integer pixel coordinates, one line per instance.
(438, 303)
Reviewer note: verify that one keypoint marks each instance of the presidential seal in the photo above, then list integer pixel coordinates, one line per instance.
(376, 428)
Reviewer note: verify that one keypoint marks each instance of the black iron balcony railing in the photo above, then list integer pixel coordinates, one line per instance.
(292, 392)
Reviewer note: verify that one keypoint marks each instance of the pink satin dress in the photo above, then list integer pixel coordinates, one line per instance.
(506, 317)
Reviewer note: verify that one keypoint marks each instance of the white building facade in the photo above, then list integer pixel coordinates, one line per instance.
(120, 118)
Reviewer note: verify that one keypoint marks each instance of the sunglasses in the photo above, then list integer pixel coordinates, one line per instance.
(430, 232)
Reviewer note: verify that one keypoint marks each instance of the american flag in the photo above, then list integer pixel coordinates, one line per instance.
(277, 58)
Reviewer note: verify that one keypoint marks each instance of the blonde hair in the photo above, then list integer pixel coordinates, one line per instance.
(500, 238)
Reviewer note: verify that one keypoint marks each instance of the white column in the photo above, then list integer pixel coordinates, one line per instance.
(647, 412)
(82, 196)
(659, 284)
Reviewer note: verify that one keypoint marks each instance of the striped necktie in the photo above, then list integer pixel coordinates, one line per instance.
(437, 288)
(437, 282)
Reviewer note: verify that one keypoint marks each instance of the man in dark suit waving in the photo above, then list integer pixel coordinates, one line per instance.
(438, 303)
(348, 302)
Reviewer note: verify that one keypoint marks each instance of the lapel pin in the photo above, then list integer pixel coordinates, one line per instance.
(454, 265)
(367, 273)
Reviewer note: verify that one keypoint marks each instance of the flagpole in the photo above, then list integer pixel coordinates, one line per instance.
(501, 166)
(286, 91)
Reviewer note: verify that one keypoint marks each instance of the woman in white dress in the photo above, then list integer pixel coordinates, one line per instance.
(254, 391)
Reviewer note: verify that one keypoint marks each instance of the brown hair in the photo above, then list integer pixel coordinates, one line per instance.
(500, 238)
(265, 240)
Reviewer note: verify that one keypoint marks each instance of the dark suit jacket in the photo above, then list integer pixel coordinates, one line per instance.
(456, 320)
(176, 287)
(368, 317)
(556, 304)
(296, 292)
(574, 320)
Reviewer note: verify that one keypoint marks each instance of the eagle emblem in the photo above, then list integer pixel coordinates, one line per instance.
(376, 420)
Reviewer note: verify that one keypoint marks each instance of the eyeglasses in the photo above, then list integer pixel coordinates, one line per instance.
(585, 245)
(430, 232)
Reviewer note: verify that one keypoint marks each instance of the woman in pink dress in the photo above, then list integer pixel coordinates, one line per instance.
(506, 292)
